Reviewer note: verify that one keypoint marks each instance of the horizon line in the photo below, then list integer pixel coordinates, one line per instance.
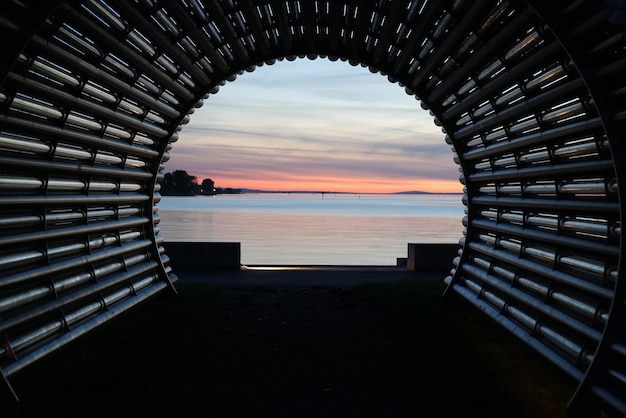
(244, 190)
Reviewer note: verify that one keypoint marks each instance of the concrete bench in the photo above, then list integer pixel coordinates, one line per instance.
(431, 257)
(204, 256)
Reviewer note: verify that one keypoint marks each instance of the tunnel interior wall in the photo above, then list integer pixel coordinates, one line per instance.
(530, 97)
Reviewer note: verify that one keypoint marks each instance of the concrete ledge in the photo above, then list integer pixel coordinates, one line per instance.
(204, 256)
(431, 257)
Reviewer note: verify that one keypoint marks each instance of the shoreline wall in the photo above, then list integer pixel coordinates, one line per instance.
(203, 256)
(211, 256)
(431, 257)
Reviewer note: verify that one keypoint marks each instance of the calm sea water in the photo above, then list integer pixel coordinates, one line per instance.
(334, 229)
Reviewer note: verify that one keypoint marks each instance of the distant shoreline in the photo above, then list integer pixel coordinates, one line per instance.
(254, 191)
(413, 192)
(248, 191)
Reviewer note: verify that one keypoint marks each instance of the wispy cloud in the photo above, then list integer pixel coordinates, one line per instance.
(313, 120)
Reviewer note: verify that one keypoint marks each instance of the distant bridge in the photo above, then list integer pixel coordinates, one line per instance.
(531, 95)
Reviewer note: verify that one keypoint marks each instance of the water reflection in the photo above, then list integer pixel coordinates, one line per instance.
(286, 238)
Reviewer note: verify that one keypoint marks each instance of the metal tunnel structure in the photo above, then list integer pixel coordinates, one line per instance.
(531, 96)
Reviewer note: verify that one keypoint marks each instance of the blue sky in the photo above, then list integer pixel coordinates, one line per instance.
(315, 125)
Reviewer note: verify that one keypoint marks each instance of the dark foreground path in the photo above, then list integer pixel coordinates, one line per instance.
(309, 276)
(384, 350)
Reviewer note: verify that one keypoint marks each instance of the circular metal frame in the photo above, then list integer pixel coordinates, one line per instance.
(530, 96)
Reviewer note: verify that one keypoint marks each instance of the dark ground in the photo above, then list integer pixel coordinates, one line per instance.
(281, 351)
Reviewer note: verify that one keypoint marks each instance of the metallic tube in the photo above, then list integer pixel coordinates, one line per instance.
(25, 340)
(99, 94)
(142, 44)
(21, 258)
(544, 271)
(528, 173)
(21, 183)
(75, 263)
(79, 294)
(105, 14)
(563, 113)
(547, 237)
(19, 299)
(25, 145)
(71, 38)
(523, 302)
(533, 285)
(86, 106)
(583, 188)
(64, 199)
(575, 304)
(38, 109)
(78, 137)
(491, 69)
(589, 266)
(509, 97)
(582, 206)
(16, 221)
(546, 78)
(523, 45)
(523, 109)
(550, 222)
(48, 71)
(83, 328)
(579, 149)
(167, 23)
(596, 228)
(536, 344)
(578, 129)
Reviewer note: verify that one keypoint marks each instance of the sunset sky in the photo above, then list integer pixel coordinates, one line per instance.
(317, 126)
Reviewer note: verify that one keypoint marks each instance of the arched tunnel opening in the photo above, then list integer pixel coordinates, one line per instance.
(326, 164)
(530, 96)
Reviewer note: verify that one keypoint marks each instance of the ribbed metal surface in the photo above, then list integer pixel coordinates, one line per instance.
(529, 95)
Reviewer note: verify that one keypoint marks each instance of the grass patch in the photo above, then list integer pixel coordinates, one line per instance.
(144, 355)
(500, 375)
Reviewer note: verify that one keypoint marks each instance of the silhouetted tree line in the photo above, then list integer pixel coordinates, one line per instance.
(180, 183)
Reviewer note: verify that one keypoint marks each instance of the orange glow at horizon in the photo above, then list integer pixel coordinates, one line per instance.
(338, 184)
